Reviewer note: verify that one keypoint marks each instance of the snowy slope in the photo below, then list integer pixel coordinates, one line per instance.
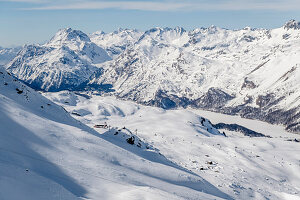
(47, 154)
(65, 62)
(241, 166)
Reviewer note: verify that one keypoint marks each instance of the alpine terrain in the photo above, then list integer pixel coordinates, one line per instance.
(253, 73)
(47, 154)
(166, 113)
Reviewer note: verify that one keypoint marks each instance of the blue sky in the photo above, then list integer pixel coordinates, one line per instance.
(36, 21)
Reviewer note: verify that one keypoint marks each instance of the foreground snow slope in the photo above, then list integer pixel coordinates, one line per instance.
(47, 154)
(243, 167)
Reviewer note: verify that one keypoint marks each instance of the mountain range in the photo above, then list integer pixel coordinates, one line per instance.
(249, 72)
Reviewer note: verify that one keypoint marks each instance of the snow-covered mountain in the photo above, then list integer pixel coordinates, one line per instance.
(65, 62)
(80, 43)
(116, 42)
(7, 54)
(46, 154)
(251, 72)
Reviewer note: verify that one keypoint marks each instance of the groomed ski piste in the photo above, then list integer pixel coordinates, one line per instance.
(53, 148)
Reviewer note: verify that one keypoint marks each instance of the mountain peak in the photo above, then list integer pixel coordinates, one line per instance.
(69, 34)
(100, 32)
(292, 24)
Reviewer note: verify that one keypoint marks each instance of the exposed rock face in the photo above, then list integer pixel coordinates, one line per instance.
(248, 84)
(215, 98)
(292, 24)
(163, 100)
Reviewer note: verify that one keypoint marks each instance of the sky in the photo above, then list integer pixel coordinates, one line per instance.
(36, 21)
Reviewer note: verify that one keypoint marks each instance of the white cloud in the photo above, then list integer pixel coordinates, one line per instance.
(24, 1)
(123, 5)
(170, 5)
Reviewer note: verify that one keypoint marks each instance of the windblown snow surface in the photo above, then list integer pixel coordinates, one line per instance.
(240, 166)
(47, 154)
